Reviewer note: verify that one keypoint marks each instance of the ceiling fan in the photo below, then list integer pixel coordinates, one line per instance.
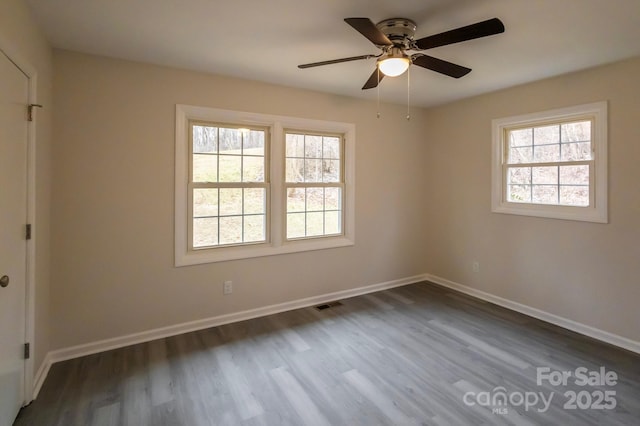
(395, 38)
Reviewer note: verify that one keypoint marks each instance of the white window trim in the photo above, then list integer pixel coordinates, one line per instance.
(277, 244)
(598, 212)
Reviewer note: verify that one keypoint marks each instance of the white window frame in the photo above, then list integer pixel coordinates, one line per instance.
(597, 211)
(277, 243)
(303, 185)
(221, 185)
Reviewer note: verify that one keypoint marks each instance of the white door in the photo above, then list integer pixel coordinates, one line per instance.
(14, 95)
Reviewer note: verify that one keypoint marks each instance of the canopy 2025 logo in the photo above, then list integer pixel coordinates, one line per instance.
(499, 399)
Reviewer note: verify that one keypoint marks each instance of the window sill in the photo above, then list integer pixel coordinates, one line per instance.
(224, 254)
(585, 214)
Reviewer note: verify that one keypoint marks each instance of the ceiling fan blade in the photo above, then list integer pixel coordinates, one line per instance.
(373, 81)
(336, 61)
(438, 65)
(470, 32)
(368, 29)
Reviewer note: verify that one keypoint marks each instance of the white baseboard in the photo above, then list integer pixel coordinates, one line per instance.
(173, 330)
(42, 373)
(604, 336)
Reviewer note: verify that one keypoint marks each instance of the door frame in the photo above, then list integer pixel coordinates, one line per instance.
(30, 71)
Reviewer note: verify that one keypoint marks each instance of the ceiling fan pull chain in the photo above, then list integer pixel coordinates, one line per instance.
(409, 94)
(378, 92)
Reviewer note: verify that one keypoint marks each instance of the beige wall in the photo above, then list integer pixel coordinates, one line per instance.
(21, 34)
(585, 272)
(113, 192)
(423, 203)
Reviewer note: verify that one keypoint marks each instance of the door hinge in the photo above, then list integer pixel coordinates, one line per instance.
(30, 111)
(27, 233)
(27, 350)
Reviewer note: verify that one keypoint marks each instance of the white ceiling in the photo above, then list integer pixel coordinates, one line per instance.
(265, 40)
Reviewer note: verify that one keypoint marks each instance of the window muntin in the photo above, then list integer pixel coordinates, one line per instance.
(549, 163)
(314, 184)
(228, 185)
(552, 164)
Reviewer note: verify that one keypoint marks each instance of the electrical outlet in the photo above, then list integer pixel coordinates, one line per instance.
(476, 266)
(227, 287)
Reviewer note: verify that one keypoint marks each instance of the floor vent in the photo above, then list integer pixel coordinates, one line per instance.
(328, 305)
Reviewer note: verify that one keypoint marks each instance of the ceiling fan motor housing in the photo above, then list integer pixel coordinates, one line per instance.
(399, 30)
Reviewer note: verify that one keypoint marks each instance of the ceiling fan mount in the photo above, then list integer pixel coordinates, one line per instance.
(395, 38)
(399, 30)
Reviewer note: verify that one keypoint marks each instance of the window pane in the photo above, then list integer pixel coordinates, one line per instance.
(545, 175)
(295, 145)
(546, 135)
(331, 148)
(295, 200)
(230, 201)
(522, 137)
(576, 132)
(323, 212)
(313, 170)
(331, 170)
(520, 175)
(578, 151)
(205, 139)
(546, 153)
(519, 193)
(230, 141)
(332, 223)
(295, 170)
(254, 228)
(253, 142)
(574, 175)
(254, 200)
(205, 168)
(520, 155)
(332, 198)
(554, 143)
(253, 169)
(205, 202)
(315, 199)
(321, 155)
(571, 181)
(205, 232)
(295, 225)
(545, 194)
(230, 168)
(231, 230)
(574, 196)
(315, 224)
(313, 146)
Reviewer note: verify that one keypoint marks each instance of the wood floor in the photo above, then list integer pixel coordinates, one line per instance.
(418, 354)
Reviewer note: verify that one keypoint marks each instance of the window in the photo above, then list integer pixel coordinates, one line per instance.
(227, 185)
(246, 187)
(552, 164)
(314, 184)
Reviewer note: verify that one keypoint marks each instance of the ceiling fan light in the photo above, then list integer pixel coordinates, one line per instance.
(394, 66)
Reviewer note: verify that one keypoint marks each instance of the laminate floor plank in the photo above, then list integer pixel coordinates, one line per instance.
(419, 354)
(135, 389)
(107, 415)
